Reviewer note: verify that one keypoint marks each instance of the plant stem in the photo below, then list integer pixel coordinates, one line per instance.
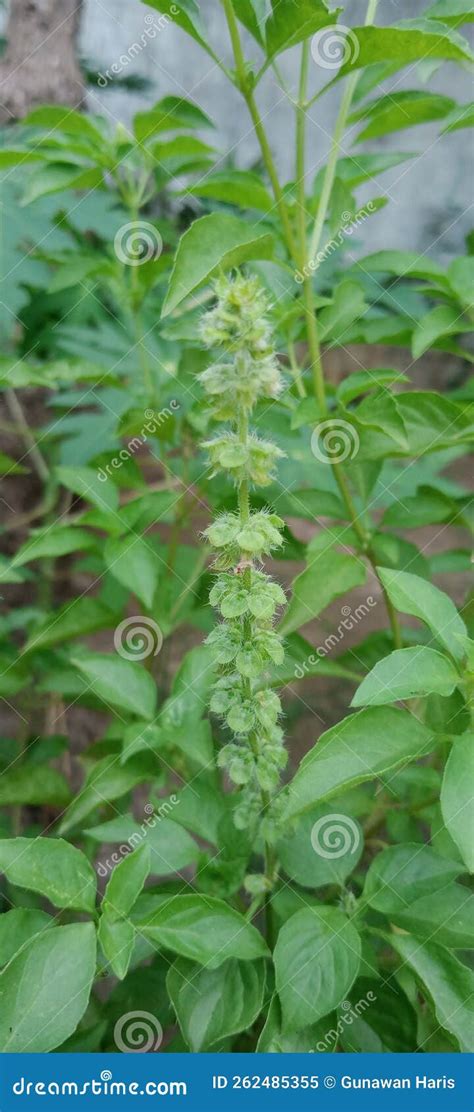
(308, 294)
(335, 145)
(244, 84)
(295, 370)
(308, 301)
(18, 414)
(244, 513)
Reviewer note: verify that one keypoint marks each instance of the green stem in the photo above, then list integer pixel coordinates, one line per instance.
(308, 294)
(335, 146)
(308, 299)
(244, 84)
(295, 370)
(244, 512)
(18, 414)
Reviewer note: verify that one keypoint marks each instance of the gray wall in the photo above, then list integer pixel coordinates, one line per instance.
(430, 196)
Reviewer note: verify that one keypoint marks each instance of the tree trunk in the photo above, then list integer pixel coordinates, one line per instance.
(40, 64)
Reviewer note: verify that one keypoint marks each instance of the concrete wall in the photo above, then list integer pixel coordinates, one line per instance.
(431, 196)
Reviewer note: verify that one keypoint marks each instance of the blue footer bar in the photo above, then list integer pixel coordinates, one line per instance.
(332, 1082)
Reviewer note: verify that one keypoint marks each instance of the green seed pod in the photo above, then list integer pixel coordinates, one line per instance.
(245, 643)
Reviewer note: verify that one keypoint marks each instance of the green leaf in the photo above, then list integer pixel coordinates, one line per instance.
(186, 14)
(400, 875)
(74, 619)
(361, 382)
(107, 780)
(55, 117)
(462, 116)
(252, 14)
(428, 506)
(403, 45)
(361, 747)
(9, 466)
(329, 575)
(449, 983)
(446, 917)
(414, 888)
(57, 176)
(19, 926)
(34, 786)
(348, 305)
(432, 422)
(168, 114)
(293, 21)
(45, 989)
(85, 482)
(191, 688)
(364, 167)
(126, 882)
(404, 264)
(323, 849)
(171, 848)
(461, 280)
(118, 683)
(451, 11)
(203, 929)
(388, 1013)
(317, 958)
(52, 867)
(211, 243)
(457, 801)
(407, 674)
(11, 157)
(200, 806)
(117, 939)
(234, 187)
(213, 1004)
(442, 321)
(400, 110)
(413, 595)
(55, 540)
(134, 563)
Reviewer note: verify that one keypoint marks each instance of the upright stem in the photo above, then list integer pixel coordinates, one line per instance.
(335, 145)
(17, 412)
(247, 93)
(135, 308)
(298, 250)
(308, 300)
(244, 512)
